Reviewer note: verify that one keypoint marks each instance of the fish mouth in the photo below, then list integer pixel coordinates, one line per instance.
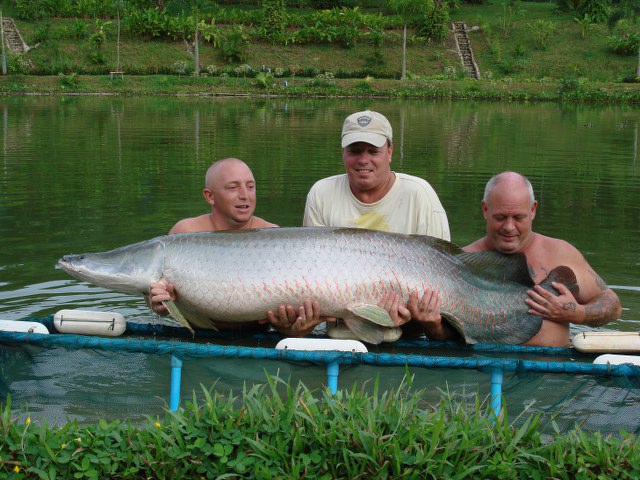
(65, 263)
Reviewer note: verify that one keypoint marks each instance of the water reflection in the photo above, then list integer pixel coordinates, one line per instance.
(82, 174)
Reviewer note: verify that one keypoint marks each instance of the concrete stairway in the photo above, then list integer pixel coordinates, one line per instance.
(12, 38)
(464, 49)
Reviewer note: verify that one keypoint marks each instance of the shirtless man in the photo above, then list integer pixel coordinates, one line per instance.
(230, 189)
(509, 208)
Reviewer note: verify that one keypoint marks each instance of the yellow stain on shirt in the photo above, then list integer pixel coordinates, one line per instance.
(373, 221)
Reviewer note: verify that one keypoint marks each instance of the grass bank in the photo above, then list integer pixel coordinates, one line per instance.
(505, 90)
(277, 431)
(524, 51)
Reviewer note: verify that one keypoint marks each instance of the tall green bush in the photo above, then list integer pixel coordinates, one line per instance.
(274, 21)
(598, 10)
(435, 24)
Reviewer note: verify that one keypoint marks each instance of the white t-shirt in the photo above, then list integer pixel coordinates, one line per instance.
(411, 206)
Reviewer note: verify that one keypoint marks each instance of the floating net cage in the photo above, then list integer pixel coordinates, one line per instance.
(153, 367)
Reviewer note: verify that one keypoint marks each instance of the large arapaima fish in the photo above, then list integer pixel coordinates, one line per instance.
(237, 276)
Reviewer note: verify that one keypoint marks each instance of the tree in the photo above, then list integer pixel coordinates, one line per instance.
(626, 10)
(408, 10)
(195, 8)
(118, 5)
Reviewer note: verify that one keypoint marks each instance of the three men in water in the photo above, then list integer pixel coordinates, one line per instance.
(509, 208)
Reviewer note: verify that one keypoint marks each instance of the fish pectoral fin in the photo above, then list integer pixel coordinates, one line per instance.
(456, 324)
(365, 331)
(177, 314)
(190, 319)
(373, 313)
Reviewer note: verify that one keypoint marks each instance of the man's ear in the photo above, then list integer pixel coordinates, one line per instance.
(208, 196)
(534, 207)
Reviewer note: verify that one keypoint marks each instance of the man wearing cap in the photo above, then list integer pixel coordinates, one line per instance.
(370, 195)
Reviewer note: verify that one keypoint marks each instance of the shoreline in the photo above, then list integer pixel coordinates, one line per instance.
(191, 86)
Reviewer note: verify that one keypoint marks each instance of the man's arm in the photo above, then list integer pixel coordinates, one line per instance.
(596, 304)
(601, 309)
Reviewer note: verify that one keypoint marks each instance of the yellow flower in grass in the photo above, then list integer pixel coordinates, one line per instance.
(27, 421)
(16, 469)
(157, 425)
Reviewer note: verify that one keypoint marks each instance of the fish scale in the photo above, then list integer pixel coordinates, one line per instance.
(238, 276)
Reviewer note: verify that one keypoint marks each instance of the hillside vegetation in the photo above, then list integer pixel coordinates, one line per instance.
(514, 43)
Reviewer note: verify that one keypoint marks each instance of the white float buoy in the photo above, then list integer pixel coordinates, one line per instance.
(87, 322)
(321, 344)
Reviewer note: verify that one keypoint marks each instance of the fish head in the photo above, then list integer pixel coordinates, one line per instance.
(130, 269)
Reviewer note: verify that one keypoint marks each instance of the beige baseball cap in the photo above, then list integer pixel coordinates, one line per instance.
(370, 127)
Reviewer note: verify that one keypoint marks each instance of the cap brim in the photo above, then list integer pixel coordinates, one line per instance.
(374, 139)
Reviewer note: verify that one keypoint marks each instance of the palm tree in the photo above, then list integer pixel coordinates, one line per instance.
(409, 10)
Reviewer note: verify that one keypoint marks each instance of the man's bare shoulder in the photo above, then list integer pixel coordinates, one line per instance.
(193, 224)
(558, 248)
(479, 245)
(258, 222)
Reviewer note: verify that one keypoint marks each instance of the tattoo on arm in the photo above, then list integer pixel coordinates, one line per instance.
(601, 311)
(570, 306)
(599, 282)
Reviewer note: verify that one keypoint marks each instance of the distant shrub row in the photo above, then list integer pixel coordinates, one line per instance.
(272, 22)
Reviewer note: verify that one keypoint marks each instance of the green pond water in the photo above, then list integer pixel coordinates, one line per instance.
(81, 174)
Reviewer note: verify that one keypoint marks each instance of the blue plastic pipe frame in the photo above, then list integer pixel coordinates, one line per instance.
(176, 377)
(497, 376)
(333, 371)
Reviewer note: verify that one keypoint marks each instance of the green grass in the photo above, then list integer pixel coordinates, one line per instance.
(512, 64)
(278, 431)
(513, 52)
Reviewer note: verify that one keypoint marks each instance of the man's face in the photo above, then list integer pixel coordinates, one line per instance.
(367, 166)
(233, 195)
(509, 215)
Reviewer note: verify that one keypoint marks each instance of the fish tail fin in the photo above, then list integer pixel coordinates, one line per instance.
(564, 275)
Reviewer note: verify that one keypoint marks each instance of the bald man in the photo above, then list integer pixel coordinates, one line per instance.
(509, 208)
(230, 190)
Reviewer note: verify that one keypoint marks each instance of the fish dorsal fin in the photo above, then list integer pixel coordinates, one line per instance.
(440, 244)
(512, 267)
